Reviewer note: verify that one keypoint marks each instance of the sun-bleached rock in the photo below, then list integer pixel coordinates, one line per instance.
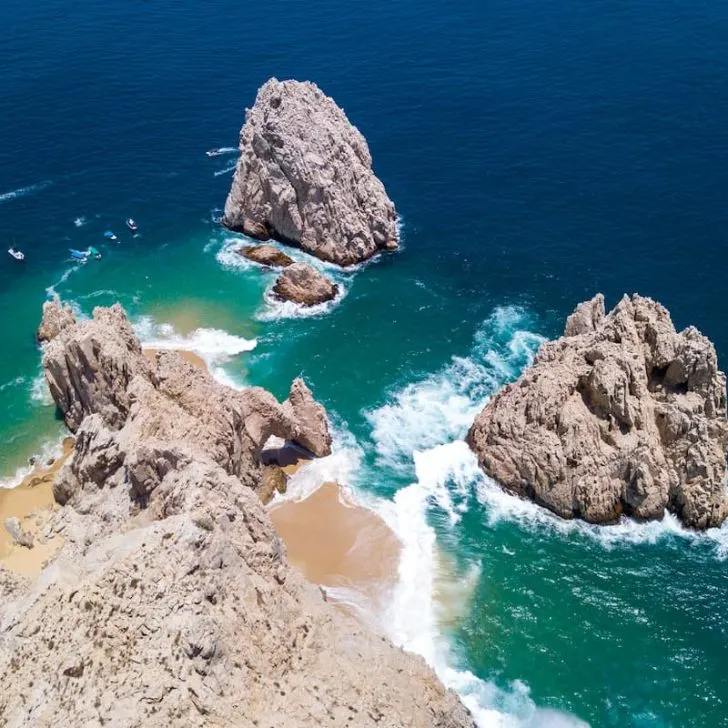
(303, 284)
(267, 255)
(171, 602)
(305, 177)
(56, 317)
(622, 415)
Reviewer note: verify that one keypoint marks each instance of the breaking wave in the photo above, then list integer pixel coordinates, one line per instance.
(226, 170)
(214, 346)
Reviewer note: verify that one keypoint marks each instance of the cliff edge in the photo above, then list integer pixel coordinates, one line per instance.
(171, 602)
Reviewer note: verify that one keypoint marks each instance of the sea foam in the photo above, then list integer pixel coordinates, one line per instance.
(214, 346)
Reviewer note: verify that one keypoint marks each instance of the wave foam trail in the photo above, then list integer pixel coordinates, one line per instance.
(226, 170)
(23, 191)
(445, 474)
(214, 345)
(442, 407)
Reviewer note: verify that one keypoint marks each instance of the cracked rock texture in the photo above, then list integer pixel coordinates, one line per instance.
(621, 415)
(305, 177)
(171, 602)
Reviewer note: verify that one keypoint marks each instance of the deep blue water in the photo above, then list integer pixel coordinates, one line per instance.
(538, 152)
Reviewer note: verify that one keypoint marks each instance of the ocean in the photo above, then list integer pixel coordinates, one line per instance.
(537, 152)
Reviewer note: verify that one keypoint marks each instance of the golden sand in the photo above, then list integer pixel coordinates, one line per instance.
(189, 356)
(338, 544)
(31, 502)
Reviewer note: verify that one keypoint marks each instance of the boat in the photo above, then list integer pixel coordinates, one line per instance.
(95, 253)
(110, 236)
(17, 254)
(80, 255)
(131, 224)
(213, 152)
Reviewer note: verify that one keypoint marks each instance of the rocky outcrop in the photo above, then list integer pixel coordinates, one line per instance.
(302, 284)
(267, 255)
(623, 414)
(305, 177)
(19, 536)
(171, 602)
(56, 317)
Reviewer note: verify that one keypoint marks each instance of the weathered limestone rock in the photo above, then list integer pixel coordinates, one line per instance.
(305, 177)
(310, 425)
(303, 284)
(15, 529)
(171, 603)
(266, 255)
(55, 318)
(273, 480)
(621, 415)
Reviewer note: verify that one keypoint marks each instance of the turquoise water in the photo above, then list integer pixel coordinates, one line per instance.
(537, 153)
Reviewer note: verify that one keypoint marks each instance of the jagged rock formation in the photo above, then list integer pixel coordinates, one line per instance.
(55, 318)
(621, 415)
(172, 602)
(305, 177)
(266, 255)
(303, 284)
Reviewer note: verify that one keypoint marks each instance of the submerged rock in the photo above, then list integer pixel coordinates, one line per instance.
(623, 414)
(172, 602)
(305, 177)
(303, 284)
(266, 255)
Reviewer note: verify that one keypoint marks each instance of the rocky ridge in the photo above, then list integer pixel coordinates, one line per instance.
(172, 602)
(305, 177)
(621, 415)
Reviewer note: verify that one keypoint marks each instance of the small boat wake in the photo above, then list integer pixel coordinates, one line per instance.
(23, 191)
(221, 151)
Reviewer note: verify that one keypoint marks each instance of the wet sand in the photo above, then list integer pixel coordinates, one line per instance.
(189, 356)
(339, 545)
(31, 502)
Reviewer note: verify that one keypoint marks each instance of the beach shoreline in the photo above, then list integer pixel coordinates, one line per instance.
(31, 502)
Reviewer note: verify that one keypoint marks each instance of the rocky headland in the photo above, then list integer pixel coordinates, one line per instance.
(621, 415)
(171, 601)
(305, 177)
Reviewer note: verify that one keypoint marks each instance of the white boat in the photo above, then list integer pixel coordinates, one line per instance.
(131, 224)
(17, 254)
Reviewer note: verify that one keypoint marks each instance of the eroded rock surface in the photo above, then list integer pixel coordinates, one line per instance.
(171, 602)
(303, 284)
(56, 317)
(622, 414)
(305, 177)
(266, 255)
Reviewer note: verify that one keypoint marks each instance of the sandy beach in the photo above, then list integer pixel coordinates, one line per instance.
(31, 502)
(339, 545)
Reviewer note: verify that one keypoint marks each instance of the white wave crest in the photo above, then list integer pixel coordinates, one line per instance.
(52, 290)
(39, 392)
(23, 191)
(79, 221)
(442, 407)
(274, 309)
(214, 346)
(49, 449)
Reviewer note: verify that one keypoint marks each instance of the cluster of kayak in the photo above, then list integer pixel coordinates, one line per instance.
(82, 255)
